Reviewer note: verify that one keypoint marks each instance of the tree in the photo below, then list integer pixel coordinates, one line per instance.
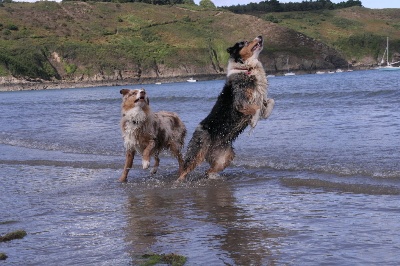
(207, 4)
(189, 2)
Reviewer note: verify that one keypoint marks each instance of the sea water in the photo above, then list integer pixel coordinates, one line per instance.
(318, 183)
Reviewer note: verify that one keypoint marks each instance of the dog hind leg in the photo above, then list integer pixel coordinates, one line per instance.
(128, 165)
(196, 152)
(156, 164)
(219, 159)
(176, 152)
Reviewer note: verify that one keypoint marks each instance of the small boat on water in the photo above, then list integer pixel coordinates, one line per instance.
(270, 76)
(158, 83)
(320, 72)
(389, 66)
(290, 74)
(191, 80)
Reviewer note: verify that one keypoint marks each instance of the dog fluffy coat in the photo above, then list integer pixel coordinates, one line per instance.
(148, 133)
(242, 102)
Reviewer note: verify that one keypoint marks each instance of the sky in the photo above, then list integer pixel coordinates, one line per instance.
(366, 3)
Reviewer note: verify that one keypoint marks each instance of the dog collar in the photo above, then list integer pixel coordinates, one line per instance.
(247, 71)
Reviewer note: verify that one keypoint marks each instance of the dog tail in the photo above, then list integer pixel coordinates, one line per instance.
(196, 151)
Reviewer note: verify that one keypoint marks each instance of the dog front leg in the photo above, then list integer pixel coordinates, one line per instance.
(249, 109)
(128, 165)
(147, 153)
(268, 105)
(255, 118)
(254, 111)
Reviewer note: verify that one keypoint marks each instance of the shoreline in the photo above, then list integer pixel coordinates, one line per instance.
(26, 85)
(9, 84)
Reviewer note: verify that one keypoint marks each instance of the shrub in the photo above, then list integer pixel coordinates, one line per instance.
(12, 27)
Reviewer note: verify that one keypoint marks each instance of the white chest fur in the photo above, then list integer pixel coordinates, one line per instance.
(133, 121)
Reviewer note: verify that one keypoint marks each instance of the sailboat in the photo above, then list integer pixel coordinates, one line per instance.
(389, 66)
(288, 71)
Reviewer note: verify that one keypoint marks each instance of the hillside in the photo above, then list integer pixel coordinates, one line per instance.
(134, 42)
(359, 33)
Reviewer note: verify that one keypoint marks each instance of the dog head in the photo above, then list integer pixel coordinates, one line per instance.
(244, 54)
(134, 98)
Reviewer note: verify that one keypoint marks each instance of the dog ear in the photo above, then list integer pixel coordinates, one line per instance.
(148, 100)
(230, 50)
(124, 91)
(236, 48)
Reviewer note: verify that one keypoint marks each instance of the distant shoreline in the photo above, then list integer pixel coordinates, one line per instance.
(26, 85)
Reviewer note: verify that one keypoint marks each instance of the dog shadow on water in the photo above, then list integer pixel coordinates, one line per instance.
(167, 220)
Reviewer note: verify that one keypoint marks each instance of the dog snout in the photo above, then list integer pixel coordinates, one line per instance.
(142, 94)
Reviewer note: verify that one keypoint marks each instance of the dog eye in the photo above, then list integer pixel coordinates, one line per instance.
(242, 44)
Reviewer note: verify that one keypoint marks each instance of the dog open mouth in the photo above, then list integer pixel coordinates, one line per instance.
(258, 45)
(141, 98)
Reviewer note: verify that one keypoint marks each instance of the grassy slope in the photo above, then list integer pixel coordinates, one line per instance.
(103, 36)
(360, 33)
(76, 39)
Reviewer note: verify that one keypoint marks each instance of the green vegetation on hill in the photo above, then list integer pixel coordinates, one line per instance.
(102, 37)
(357, 32)
(276, 6)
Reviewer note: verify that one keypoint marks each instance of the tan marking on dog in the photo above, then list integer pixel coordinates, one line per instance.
(247, 51)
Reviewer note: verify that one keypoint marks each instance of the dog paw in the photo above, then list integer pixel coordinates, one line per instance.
(267, 109)
(255, 118)
(180, 180)
(153, 170)
(213, 176)
(145, 164)
(123, 179)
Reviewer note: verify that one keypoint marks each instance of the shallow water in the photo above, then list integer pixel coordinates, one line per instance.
(318, 183)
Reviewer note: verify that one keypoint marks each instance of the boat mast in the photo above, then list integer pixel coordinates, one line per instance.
(287, 63)
(387, 51)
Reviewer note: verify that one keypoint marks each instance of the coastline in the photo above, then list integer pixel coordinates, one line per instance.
(13, 84)
(8, 84)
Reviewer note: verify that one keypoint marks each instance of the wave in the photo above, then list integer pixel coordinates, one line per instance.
(330, 168)
(59, 147)
(61, 163)
(349, 93)
(346, 187)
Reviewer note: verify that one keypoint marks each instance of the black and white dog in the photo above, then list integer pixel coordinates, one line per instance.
(242, 102)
